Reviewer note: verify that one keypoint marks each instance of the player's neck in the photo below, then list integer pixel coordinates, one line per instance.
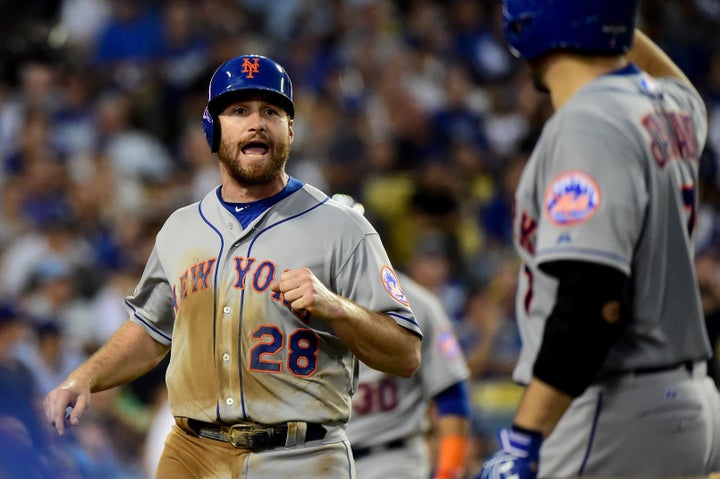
(233, 192)
(565, 74)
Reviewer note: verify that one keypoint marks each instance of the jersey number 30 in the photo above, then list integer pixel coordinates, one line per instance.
(381, 396)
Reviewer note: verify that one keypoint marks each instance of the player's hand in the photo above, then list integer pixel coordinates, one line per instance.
(69, 394)
(517, 458)
(306, 294)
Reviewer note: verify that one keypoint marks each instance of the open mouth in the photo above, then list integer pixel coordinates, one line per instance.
(255, 148)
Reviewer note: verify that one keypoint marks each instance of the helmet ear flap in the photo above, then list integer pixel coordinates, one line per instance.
(211, 126)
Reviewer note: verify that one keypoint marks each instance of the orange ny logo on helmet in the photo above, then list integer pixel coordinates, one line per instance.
(249, 68)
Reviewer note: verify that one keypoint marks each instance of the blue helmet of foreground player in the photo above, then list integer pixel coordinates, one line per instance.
(602, 27)
(240, 75)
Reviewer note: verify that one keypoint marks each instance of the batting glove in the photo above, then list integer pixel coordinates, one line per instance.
(517, 458)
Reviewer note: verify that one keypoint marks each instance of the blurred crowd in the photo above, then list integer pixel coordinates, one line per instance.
(413, 107)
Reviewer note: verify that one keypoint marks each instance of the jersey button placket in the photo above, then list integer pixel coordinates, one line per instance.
(226, 365)
(226, 356)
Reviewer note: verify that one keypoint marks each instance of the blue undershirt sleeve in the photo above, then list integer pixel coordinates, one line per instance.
(454, 400)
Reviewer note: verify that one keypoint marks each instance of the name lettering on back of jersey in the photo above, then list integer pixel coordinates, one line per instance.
(672, 137)
(571, 198)
(526, 232)
(392, 285)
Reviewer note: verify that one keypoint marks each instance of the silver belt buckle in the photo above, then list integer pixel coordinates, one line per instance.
(239, 435)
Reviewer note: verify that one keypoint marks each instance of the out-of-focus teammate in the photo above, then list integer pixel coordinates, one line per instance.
(265, 293)
(614, 343)
(390, 424)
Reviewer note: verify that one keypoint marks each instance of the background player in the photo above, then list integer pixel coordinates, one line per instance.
(614, 343)
(390, 419)
(263, 290)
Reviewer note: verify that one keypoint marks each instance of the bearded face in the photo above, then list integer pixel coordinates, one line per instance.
(242, 163)
(255, 141)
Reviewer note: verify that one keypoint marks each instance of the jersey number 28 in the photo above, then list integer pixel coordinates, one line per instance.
(302, 351)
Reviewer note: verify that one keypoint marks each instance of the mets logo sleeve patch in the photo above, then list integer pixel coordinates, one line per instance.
(571, 198)
(448, 345)
(392, 285)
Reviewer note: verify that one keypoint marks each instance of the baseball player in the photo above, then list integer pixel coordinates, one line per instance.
(390, 418)
(265, 293)
(614, 343)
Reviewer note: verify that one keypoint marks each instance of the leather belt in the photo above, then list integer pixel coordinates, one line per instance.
(360, 452)
(252, 436)
(688, 365)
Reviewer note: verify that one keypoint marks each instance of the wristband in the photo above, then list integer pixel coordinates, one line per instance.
(451, 457)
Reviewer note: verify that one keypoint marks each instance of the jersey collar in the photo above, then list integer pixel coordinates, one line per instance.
(629, 69)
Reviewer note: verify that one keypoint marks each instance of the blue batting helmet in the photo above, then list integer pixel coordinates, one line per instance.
(601, 27)
(246, 73)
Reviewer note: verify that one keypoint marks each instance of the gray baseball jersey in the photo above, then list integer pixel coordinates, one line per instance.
(613, 180)
(238, 352)
(385, 407)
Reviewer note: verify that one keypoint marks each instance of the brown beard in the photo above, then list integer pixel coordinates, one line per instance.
(259, 173)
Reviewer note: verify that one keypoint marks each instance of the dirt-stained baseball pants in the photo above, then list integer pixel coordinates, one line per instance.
(190, 457)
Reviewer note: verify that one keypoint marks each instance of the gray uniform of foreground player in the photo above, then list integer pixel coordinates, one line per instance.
(613, 181)
(203, 261)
